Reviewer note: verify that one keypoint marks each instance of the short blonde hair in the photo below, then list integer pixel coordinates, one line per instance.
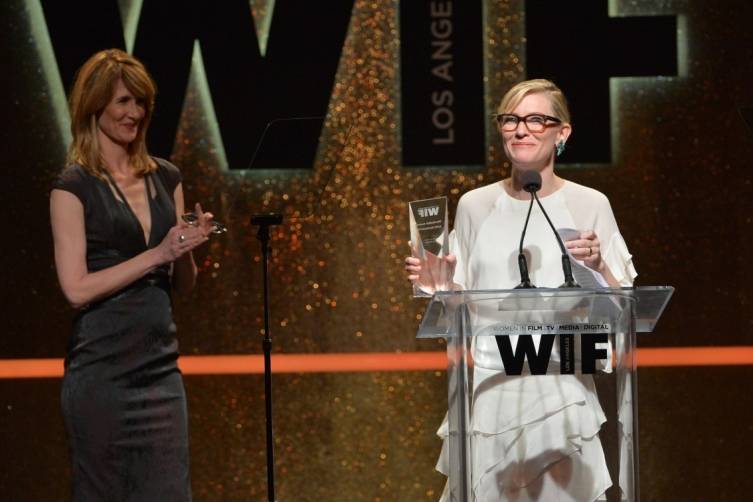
(92, 91)
(515, 95)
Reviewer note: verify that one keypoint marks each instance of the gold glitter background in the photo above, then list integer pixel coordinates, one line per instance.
(680, 186)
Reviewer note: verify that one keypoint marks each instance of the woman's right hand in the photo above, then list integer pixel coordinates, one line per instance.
(433, 273)
(180, 239)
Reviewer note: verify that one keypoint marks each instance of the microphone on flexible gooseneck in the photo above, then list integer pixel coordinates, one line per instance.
(531, 184)
(566, 267)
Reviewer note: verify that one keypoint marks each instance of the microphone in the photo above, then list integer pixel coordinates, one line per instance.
(531, 184)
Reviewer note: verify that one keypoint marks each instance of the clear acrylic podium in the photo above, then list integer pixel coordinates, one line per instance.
(583, 336)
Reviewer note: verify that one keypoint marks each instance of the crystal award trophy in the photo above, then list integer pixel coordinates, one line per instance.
(429, 239)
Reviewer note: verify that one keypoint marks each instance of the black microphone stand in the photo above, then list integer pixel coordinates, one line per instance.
(525, 280)
(531, 183)
(567, 270)
(264, 221)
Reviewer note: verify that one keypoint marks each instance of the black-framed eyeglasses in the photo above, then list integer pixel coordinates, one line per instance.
(535, 122)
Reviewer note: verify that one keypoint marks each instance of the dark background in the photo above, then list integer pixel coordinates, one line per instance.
(680, 186)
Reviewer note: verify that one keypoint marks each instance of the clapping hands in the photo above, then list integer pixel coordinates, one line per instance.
(184, 237)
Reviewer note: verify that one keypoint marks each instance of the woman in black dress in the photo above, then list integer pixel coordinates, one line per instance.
(120, 248)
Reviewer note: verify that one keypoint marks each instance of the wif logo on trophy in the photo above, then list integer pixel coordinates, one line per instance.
(430, 244)
(425, 212)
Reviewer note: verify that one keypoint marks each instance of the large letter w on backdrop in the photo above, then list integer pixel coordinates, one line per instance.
(294, 77)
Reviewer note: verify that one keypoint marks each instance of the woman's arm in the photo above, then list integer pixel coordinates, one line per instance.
(69, 236)
(184, 268)
(602, 248)
(608, 276)
(81, 287)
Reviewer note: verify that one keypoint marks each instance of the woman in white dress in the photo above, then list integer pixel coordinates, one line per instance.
(546, 447)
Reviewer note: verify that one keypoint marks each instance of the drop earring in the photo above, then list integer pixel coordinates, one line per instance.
(559, 148)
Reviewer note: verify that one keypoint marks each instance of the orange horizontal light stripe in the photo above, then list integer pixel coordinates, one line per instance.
(315, 363)
(374, 361)
(31, 368)
(695, 356)
(254, 364)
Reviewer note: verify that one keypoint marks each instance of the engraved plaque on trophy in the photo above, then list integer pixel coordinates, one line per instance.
(429, 238)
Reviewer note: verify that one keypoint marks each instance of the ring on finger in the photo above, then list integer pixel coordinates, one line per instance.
(590, 251)
(181, 238)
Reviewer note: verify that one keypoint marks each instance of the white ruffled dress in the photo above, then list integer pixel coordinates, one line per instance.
(534, 439)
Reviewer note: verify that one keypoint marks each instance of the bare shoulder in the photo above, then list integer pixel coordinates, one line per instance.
(65, 207)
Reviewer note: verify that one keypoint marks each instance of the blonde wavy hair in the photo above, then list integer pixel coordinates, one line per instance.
(92, 91)
(515, 95)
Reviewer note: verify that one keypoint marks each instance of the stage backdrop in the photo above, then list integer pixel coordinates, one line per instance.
(408, 89)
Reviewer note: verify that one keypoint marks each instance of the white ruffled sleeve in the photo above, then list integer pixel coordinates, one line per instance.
(614, 251)
(591, 209)
(460, 239)
(456, 249)
(619, 260)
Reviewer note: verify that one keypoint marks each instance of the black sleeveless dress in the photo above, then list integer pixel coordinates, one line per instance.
(122, 396)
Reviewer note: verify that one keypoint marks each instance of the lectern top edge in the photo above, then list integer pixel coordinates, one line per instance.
(553, 305)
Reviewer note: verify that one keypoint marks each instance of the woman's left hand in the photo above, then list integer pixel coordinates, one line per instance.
(587, 249)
